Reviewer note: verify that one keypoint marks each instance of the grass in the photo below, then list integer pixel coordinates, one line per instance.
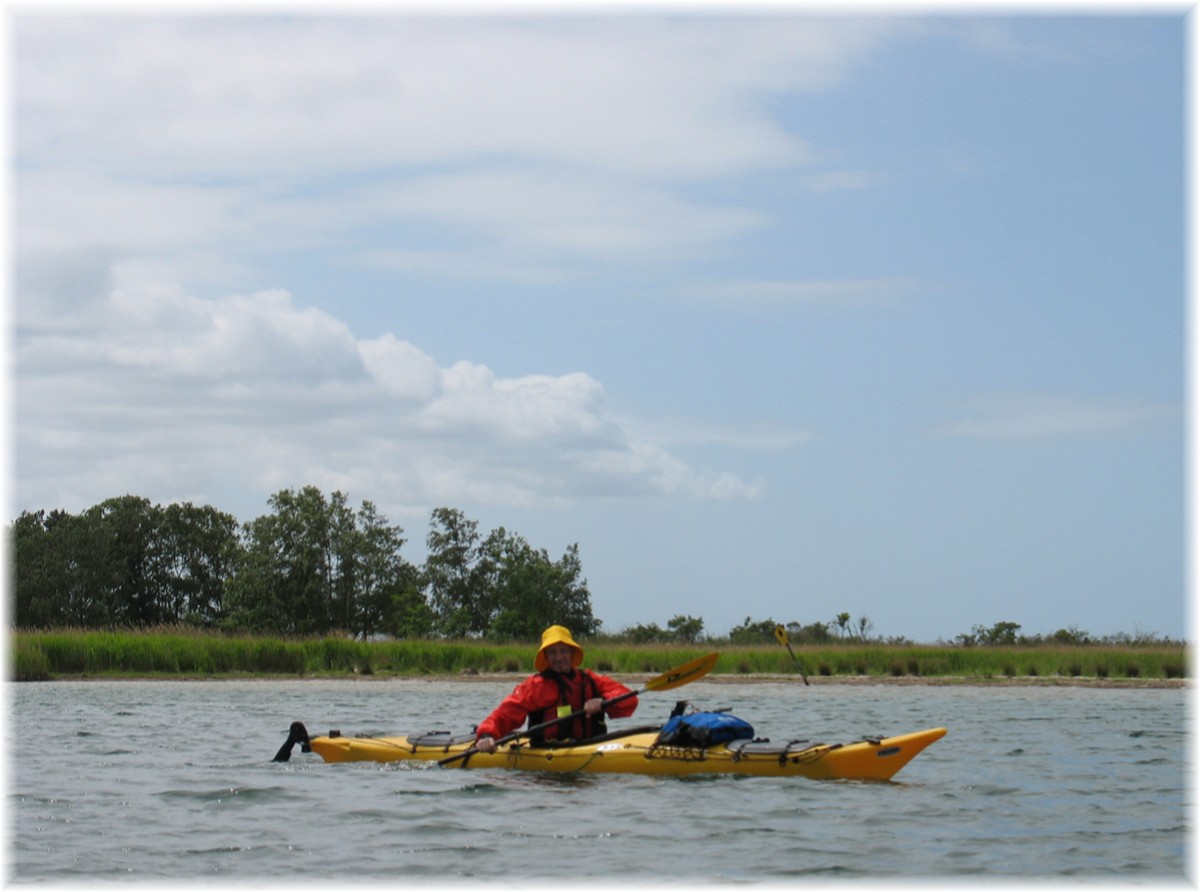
(40, 655)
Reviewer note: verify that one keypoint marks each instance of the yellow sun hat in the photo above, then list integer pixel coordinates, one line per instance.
(557, 635)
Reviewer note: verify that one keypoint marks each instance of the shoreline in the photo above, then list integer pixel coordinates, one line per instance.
(634, 679)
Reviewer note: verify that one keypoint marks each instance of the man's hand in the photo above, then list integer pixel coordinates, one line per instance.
(485, 744)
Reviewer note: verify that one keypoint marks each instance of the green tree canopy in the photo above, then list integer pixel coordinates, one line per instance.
(453, 575)
(122, 562)
(688, 629)
(310, 566)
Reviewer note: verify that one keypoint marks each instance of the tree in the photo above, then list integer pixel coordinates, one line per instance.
(386, 594)
(200, 547)
(123, 562)
(751, 632)
(643, 633)
(314, 565)
(1001, 634)
(1071, 635)
(309, 566)
(501, 587)
(520, 588)
(46, 578)
(459, 604)
(345, 554)
(255, 599)
(285, 580)
(531, 592)
(688, 629)
(843, 624)
(813, 633)
(409, 615)
(572, 600)
(129, 577)
(864, 627)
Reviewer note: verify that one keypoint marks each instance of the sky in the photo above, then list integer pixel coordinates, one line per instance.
(776, 315)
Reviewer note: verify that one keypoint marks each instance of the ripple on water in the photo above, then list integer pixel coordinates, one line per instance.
(1029, 783)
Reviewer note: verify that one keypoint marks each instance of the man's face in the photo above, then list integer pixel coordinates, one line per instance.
(558, 656)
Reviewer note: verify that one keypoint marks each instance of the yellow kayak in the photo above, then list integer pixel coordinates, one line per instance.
(635, 751)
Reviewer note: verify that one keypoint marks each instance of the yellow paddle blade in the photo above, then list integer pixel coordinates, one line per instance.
(681, 675)
(781, 635)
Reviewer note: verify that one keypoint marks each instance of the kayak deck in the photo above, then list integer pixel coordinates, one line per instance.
(636, 751)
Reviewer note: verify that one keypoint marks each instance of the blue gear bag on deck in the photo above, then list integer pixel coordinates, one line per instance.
(704, 729)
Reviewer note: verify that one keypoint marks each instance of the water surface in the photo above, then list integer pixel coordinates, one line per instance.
(173, 781)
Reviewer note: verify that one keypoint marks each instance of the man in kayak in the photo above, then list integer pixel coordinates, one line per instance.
(558, 689)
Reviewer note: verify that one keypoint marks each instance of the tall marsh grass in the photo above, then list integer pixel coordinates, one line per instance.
(38, 655)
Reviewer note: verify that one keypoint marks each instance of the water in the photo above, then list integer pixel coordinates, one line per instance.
(170, 781)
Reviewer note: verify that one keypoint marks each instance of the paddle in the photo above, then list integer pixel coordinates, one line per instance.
(672, 678)
(782, 638)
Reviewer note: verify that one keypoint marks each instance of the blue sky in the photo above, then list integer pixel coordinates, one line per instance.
(777, 316)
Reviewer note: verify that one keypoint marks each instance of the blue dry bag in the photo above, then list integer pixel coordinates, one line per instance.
(704, 729)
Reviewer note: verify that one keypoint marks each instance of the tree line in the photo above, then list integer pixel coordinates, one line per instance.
(311, 566)
(685, 629)
(315, 565)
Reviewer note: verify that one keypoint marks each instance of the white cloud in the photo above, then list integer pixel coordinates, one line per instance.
(399, 368)
(528, 150)
(165, 164)
(157, 391)
(540, 224)
(63, 208)
(1041, 416)
(235, 96)
(567, 212)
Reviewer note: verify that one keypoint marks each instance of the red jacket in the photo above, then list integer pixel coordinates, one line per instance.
(538, 697)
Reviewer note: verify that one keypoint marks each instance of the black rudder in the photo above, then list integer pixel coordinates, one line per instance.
(296, 734)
